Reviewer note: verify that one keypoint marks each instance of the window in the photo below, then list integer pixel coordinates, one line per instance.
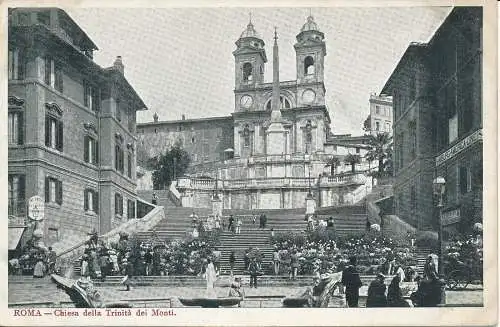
(465, 180)
(16, 128)
(130, 209)
(377, 126)
(413, 139)
(129, 165)
(16, 63)
(284, 103)
(412, 87)
(118, 204)
(17, 201)
(91, 96)
(119, 157)
(118, 112)
(377, 110)
(24, 18)
(246, 136)
(192, 139)
(247, 72)
(53, 75)
(53, 190)
(44, 18)
(90, 150)
(388, 127)
(357, 150)
(53, 132)
(308, 65)
(90, 201)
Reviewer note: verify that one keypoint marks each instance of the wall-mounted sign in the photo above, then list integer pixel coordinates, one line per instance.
(36, 208)
(460, 146)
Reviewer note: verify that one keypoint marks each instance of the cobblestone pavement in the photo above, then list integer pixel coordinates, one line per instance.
(473, 295)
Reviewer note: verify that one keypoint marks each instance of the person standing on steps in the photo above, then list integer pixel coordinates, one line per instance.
(276, 261)
(352, 283)
(217, 254)
(210, 276)
(231, 223)
(154, 200)
(238, 226)
(254, 270)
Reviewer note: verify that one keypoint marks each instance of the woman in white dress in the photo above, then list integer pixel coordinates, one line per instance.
(210, 276)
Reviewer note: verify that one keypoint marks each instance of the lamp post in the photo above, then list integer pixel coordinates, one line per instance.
(439, 187)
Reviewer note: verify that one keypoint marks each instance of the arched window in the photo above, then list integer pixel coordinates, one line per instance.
(284, 103)
(247, 72)
(308, 65)
(246, 136)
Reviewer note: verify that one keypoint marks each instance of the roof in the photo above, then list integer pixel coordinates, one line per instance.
(410, 52)
(85, 38)
(310, 25)
(250, 32)
(113, 73)
(193, 120)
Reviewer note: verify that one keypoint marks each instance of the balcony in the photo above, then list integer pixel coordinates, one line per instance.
(17, 213)
(275, 182)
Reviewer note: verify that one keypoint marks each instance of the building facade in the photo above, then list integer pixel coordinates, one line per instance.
(380, 118)
(436, 89)
(71, 128)
(280, 138)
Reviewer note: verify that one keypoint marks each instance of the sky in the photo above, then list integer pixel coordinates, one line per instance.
(180, 61)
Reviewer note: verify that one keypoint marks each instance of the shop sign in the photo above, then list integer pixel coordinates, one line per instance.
(460, 146)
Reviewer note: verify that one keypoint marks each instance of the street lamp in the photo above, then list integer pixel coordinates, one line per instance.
(439, 187)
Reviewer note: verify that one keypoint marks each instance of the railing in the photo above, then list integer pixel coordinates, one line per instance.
(17, 207)
(130, 227)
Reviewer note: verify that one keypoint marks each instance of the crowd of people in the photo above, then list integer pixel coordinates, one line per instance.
(36, 260)
(298, 254)
(217, 224)
(429, 292)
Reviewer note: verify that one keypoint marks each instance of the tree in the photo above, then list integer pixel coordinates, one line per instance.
(379, 144)
(333, 162)
(170, 165)
(366, 124)
(352, 159)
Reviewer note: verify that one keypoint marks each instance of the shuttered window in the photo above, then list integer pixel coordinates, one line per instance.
(91, 200)
(54, 133)
(53, 190)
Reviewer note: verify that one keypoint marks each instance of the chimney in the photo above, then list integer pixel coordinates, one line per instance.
(155, 117)
(118, 64)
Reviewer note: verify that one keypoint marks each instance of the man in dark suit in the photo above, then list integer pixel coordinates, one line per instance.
(352, 283)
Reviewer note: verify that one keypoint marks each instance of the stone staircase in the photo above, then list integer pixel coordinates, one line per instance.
(165, 197)
(349, 220)
(251, 236)
(175, 225)
(421, 256)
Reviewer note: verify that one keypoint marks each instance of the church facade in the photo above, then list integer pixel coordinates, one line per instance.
(272, 151)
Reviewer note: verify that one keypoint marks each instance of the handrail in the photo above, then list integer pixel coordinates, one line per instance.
(116, 230)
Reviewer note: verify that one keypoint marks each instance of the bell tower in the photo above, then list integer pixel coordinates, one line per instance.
(310, 52)
(250, 58)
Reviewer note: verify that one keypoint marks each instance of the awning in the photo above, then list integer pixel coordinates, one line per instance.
(15, 234)
(229, 150)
